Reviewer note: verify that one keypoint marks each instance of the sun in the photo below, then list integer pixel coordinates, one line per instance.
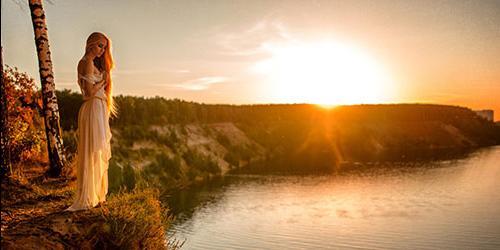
(326, 73)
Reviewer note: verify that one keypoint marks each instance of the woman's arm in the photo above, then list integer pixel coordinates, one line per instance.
(86, 68)
(104, 78)
(92, 88)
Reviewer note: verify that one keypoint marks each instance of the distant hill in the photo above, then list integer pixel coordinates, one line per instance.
(197, 140)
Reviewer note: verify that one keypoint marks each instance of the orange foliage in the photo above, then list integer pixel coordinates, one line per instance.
(25, 124)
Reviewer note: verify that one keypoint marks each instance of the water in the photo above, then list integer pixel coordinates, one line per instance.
(435, 205)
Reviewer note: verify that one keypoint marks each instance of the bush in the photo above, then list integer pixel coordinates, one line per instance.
(223, 140)
(232, 158)
(70, 144)
(133, 220)
(164, 171)
(26, 136)
(171, 140)
(129, 177)
(201, 162)
(115, 176)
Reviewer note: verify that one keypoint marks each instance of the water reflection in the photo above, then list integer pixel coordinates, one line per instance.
(435, 205)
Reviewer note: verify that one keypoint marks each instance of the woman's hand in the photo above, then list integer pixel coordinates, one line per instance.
(102, 83)
(104, 78)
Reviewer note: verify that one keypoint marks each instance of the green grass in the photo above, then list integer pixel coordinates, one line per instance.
(132, 220)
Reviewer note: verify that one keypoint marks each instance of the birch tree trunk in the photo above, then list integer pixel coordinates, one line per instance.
(4, 126)
(50, 108)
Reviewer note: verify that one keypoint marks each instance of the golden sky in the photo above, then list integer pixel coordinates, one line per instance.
(330, 51)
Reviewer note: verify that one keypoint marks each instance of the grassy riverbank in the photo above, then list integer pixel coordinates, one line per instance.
(33, 216)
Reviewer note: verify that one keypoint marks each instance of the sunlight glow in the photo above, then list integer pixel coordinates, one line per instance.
(324, 73)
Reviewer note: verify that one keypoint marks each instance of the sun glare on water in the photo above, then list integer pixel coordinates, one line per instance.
(325, 73)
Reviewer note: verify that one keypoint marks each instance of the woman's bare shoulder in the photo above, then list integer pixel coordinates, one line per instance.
(85, 67)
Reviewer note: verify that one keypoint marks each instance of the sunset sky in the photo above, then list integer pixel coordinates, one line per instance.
(329, 52)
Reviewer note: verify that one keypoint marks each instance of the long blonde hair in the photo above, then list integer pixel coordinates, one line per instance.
(104, 63)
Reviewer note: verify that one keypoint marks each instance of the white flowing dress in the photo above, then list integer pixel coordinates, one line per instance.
(94, 147)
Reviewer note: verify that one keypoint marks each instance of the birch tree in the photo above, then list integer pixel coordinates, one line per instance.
(50, 107)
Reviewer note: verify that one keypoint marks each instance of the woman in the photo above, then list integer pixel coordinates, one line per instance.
(94, 134)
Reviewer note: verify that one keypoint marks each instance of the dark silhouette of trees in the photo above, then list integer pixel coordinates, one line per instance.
(296, 136)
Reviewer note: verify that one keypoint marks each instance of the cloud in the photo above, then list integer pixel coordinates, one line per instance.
(149, 71)
(253, 40)
(197, 84)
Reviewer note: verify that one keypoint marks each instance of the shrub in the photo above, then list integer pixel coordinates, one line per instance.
(70, 143)
(201, 162)
(129, 177)
(133, 220)
(223, 140)
(25, 135)
(115, 176)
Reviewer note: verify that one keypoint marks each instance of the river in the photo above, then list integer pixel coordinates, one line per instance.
(452, 204)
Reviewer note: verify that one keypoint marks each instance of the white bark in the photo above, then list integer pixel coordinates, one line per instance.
(50, 108)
